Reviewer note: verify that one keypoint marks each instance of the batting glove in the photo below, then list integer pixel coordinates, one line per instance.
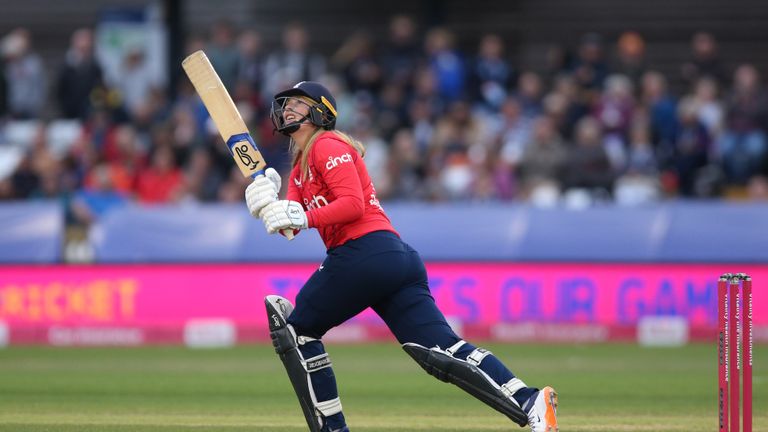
(284, 214)
(262, 191)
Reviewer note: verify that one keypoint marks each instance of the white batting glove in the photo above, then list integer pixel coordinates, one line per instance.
(262, 191)
(284, 214)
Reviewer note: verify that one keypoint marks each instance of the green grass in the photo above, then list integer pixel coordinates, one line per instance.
(601, 387)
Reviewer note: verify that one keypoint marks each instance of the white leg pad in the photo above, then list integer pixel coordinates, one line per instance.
(476, 357)
(329, 407)
(451, 350)
(512, 386)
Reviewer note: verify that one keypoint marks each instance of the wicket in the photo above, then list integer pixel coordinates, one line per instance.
(734, 337)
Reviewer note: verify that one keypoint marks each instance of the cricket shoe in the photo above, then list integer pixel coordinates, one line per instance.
(542, 416)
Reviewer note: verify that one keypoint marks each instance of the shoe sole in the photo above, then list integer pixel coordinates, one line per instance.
(550, 396)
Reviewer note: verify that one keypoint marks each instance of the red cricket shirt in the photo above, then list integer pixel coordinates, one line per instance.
(338, 195)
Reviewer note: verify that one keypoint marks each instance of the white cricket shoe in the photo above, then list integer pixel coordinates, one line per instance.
(543, 414)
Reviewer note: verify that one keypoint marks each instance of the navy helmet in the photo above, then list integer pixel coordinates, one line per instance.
(322, 109)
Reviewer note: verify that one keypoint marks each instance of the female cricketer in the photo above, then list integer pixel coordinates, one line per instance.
(367, 265)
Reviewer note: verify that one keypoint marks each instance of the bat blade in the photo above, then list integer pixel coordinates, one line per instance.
(225, 116)
(224, 113)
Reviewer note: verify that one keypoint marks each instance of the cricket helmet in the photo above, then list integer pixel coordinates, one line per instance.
(322, 107)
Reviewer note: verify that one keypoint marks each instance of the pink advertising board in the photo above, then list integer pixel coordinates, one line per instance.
(157, 301)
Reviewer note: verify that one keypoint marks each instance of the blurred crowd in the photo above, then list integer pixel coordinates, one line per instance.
(598, 123)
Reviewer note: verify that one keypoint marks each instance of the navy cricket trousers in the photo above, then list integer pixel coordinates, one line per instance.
(380, 271)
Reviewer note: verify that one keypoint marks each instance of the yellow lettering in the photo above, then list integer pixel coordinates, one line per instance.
(34, 306)
(126, 291)
(12, 302)
(75, 301)
(99, 300)
(51, 307)
(100, 304)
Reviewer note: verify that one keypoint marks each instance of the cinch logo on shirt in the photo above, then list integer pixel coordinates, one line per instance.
(336, 161)
(317, 202)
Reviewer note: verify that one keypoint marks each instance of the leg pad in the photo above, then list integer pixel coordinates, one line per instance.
(468, 377)
(286, 344)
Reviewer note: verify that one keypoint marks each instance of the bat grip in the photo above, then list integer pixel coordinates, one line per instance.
(288, 233)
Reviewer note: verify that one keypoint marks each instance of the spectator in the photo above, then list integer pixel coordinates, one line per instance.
(557, 61)
(566, 105)
(406, 167)
(491, 74)
(692, 147)
(25, 180)
(530, 91)
(449, 162)
(588, 167)
(544, 159)
(641, 159)
(425, 89)
(630, 57)
(614, 111)
(421, 120)
(37, 159)
(356, 61)
(391, 112)
(709, 108)
(661, 110)
(503, 178)
(25, 74)
(161, 182)
(79, 78)
(223, 53)
(401, 52)
(97, 199)
(513, 131)
(704, 61)
(232, 189)
(639, 183)
(251, 60)
(454, 179)
(457, 130)
(202, 177)
(292, 63)
(446, 64)
(123, 160)
(135, 82)
(743, 145)
(377, 155)
(590, 67)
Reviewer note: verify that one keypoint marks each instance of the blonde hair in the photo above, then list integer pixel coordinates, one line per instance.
(301, 156)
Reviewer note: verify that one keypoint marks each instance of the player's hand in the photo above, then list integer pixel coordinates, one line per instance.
(284, 214)
(262, 191)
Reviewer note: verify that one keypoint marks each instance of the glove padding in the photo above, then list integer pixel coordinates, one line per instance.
(284, 214)
(262, 191)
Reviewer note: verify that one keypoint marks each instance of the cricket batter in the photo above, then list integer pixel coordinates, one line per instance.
(367, 265)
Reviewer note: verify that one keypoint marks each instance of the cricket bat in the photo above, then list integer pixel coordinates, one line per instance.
(225, 116)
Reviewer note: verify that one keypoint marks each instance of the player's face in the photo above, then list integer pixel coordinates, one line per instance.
(294, 110)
